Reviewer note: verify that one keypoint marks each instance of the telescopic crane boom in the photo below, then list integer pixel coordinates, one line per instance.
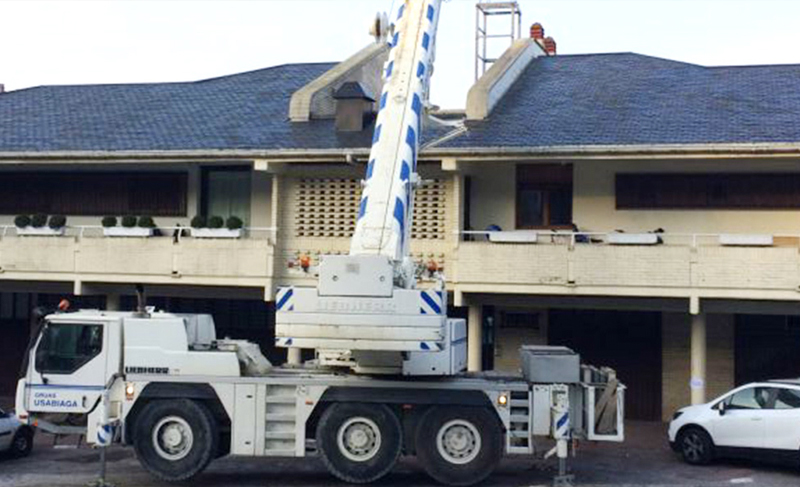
(366, 313)
(384, 219)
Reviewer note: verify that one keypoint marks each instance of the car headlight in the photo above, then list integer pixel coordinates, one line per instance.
(677, 415)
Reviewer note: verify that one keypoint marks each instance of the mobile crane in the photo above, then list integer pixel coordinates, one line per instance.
(389, 376)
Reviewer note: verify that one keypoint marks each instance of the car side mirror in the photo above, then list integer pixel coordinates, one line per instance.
(722, 409)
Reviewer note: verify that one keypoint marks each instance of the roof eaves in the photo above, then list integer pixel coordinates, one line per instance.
(618, 151)
(607, 151)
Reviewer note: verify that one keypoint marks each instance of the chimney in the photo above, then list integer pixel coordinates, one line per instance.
(353, 107)
(537, 31)
(2, 88)
(550, 46)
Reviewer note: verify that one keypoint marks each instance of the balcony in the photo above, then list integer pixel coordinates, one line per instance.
(663, 265)
(85, 255)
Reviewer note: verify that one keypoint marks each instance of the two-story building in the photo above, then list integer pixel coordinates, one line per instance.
(645, 212)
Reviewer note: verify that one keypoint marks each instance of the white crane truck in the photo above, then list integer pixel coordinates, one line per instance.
(389, 374)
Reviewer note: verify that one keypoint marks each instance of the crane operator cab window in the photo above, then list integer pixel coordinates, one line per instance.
(66, 347)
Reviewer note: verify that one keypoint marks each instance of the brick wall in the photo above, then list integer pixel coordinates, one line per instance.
(676, 359)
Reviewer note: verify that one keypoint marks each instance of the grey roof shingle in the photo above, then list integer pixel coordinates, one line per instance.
(241, 111)
(631, 99)
(597, 99)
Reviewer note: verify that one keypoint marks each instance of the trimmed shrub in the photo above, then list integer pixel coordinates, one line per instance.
(128, 221)
(39, 220)
(146, 222)
(57, 221)
(216, 222)
(234, 223)
(109, 221)
(199, 222)
(22, 221)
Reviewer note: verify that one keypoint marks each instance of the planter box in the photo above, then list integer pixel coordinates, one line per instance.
(516, 236)
(40, 231)
(127, 232)
(215, 233)
(740, 240)
(633, 239)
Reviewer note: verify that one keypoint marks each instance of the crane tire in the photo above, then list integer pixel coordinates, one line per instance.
(359, 443)
(175, 439)
(459, 446)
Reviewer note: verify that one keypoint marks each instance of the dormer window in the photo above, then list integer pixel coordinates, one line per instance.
(354, 107)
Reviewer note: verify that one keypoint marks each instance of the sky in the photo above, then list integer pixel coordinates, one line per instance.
(46, 42)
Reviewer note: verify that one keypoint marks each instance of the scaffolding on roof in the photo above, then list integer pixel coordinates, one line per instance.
(483, 12)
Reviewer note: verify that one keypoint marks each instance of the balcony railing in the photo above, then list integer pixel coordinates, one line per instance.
(84, 254)
(652, 264)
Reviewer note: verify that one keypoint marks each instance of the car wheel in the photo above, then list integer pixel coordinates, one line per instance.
(22, 444)
(359, 443)
(459, 446)
(695, 446)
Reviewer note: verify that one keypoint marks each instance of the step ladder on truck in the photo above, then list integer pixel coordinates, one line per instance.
(389, 378)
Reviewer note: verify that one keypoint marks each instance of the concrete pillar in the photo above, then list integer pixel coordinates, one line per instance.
(294, 356)
(475, 338)
(112, 302)
(697, 382)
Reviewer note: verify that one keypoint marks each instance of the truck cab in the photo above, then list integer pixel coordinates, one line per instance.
(78, 355)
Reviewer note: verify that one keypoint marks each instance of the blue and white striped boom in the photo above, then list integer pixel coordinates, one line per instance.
(386, 208)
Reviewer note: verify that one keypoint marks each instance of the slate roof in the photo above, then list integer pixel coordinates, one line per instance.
(566, 100)
(631, 99)
(241, 111)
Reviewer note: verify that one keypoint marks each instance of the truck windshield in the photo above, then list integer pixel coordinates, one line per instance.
(66, 347)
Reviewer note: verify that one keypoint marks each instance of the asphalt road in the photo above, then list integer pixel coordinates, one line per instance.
(644, 459)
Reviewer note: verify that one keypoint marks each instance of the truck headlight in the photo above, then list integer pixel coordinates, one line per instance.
(502, 400)
(130, 391)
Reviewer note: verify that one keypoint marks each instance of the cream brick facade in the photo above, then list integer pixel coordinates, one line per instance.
(675, 359)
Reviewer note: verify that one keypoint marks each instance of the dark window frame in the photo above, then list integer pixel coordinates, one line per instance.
(205, 172)
(526, 179)
(94, 193)
(707, 191)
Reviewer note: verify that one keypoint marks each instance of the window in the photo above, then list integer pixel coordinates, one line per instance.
(93, 193)
(750, 398)
(544, 196)
(708, 191)
(787, 399)
(64, 348)
(227, 192)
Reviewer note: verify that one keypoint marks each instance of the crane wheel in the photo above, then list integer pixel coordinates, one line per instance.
(459, 445)
(359, 443)
(175, 439)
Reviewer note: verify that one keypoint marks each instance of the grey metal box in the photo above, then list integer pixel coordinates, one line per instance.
(550, 364)
(356, 275)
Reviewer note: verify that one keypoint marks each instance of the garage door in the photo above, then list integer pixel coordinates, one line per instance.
(767, 347)
(629, 342)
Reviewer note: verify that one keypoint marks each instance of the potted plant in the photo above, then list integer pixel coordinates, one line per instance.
(131, 226)
(40, 225)
(216, 227)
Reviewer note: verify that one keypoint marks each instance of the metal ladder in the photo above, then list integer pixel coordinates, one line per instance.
(520, 434)
(280, 435)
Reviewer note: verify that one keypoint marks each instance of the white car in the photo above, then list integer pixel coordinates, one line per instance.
(15, 437)
(759, 420)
